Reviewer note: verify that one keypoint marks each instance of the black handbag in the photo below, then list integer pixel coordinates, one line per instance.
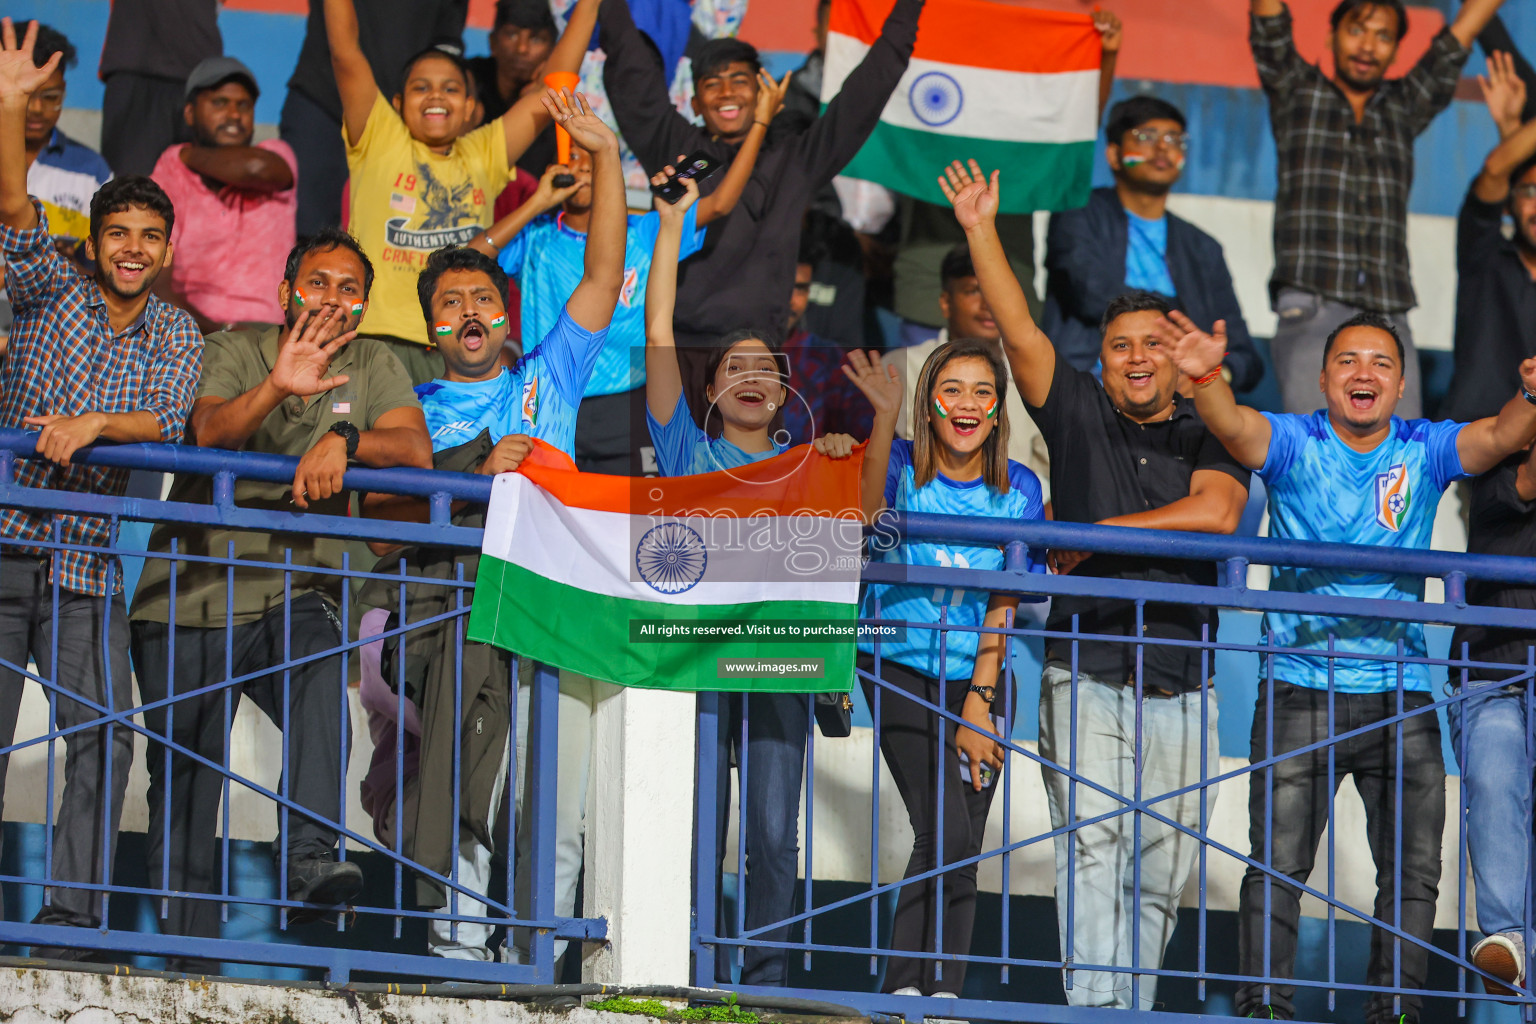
(834, 714)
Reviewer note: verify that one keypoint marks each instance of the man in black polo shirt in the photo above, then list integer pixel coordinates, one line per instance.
(1495, 290)
(1129, 452)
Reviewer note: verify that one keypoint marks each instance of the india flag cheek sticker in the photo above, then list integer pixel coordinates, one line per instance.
(992, 408)
(298, 299)
(940, 408)
(357, 309)
(442, 329)
(499, 320)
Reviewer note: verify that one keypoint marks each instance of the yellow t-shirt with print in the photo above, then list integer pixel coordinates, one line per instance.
(407, 202)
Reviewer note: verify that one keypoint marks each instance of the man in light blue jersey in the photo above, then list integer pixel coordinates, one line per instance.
(463, 295)
(1352, 473)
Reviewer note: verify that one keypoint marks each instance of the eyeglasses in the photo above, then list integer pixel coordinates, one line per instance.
(1151, 136)
(1524, 191)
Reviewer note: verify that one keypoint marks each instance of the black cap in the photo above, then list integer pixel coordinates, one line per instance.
(216, 71)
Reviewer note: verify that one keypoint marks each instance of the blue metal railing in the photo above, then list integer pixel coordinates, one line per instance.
(819, 923)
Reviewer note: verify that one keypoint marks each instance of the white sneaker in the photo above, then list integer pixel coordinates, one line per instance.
(910, 990)
(1502, 956)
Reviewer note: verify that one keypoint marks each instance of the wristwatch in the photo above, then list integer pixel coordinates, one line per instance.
(1527, 395)
(348, 433)
(988, 692)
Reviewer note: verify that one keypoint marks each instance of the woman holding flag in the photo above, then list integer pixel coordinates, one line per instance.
(955, 464)
(746, 391)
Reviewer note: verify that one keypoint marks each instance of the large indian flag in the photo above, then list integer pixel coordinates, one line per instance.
(743, 579)
(1011, 87)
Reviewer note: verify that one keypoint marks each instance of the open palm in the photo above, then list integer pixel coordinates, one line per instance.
(305, 358)
(880, 382)
(974, 198)
(574, 114)
(1195, 352)
(18, 75)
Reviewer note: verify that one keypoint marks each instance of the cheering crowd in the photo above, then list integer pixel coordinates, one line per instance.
(424, 272)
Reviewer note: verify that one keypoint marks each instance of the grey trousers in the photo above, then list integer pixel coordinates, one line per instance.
(1306, 320)
(90, 636)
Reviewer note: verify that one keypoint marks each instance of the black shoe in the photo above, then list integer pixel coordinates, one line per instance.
(323, 883)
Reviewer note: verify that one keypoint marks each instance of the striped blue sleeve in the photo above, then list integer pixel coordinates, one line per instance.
(514, 255)
(678, 441)
(570, 354)
(693, 235)
(1287, 436)
(901, 458)
(1444, 457)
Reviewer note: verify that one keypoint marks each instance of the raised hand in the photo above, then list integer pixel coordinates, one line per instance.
(1195, 353)
(974, 198)
(304, 358)
(879, 381)
(19, 77)
(573, 113)
(1110, 30)
(672, 213)
(1504, 92)
(770, 95)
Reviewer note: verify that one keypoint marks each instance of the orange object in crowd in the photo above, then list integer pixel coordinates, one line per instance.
(558, 80)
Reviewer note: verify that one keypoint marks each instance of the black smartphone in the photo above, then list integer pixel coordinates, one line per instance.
(698, 167)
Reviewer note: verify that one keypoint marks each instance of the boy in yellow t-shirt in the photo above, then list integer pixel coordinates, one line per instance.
(419, 180)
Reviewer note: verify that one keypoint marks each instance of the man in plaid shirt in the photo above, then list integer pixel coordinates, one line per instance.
(1345, 147)
(89, 358)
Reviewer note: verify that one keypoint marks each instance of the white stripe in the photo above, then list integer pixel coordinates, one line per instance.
(768, 558)
(978, 103)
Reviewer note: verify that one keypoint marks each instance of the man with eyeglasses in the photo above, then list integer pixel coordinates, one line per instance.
(1345, 163)
(1126, 240)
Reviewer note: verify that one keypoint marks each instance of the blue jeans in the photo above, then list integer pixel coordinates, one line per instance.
(772, 763)
(1120, 918)
(1491, 736)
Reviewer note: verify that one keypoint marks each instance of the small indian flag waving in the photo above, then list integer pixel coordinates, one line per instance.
(1008, 86)
(742, 579)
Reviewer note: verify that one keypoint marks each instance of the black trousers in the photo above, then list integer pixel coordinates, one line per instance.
(315, 137)
(184, 798)
(909, 740)
(612, 436)
(1301, 799)
(141, 116)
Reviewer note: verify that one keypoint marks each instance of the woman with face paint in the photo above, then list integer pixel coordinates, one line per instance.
(955, 464)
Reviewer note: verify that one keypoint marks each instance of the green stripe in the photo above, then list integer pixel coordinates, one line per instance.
(589, 633)
(1036, 175)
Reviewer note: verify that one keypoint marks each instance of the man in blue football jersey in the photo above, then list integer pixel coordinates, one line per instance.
(463, 295)
(1352, 473)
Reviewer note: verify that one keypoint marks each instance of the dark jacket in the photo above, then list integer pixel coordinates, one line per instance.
(1085, 264)
(745, 274)
(430, 658)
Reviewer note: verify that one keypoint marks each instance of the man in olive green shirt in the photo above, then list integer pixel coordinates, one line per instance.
(311, 389)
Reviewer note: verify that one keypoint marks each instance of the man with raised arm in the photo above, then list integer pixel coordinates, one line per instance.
(1351, 473)
(1127, 452)
(1345, 150)
(484, 417)
(96, 358)
(747, 273)
(310, 389)
(1495, 317)
(421, 179)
